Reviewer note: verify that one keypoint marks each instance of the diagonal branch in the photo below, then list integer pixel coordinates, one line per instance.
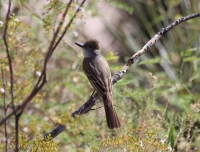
(42, 79)
(93, 98)
(68, 25)
(51, 47)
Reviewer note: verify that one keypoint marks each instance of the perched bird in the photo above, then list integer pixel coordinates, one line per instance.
(98, 73)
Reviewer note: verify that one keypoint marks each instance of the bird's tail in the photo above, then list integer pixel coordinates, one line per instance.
(111, 115)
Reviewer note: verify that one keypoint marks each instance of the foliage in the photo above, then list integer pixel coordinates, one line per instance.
(37, 145)
(121, 5)
(134, 140)
(159, 93)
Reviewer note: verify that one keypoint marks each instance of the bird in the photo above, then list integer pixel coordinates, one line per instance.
(98, 73)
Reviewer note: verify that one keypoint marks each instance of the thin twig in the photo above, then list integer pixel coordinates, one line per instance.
(51, 47)
(68, 25)
(8, 55)
(97, 108)
(4, 107)
(11, 76)
(115, 106)
(123, 110)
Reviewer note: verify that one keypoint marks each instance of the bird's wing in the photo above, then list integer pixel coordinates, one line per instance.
(95, 76)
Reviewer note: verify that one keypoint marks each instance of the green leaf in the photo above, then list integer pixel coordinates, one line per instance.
(151, 61)
(171, 136)
(192, 58)
(121, 5)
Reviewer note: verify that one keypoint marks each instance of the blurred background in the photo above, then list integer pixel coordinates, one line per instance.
(159, 93)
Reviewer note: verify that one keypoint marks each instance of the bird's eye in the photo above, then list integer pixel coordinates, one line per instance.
(90, 46)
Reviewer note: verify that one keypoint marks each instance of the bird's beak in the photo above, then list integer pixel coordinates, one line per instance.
(79, 44)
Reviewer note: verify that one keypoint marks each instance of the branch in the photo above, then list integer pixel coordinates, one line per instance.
(8, 55)
(61, 128)
(55, 132)
(68, 25)
(42, 79)
(11, 81)
(93, 98)
(57, 31)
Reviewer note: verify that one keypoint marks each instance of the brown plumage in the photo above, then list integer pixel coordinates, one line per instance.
(98, 73)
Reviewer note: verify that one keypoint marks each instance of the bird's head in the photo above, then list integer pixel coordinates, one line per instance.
(90, 48)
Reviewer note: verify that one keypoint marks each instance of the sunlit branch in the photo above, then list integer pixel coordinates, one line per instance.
(94, 98)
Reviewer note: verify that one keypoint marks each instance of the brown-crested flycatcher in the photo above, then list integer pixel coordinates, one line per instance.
(98, 73)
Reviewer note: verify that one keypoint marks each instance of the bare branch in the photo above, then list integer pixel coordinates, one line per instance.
(68, 25)
(11, 77)
(88, 105)
(95, 96)
(8, 55)
(93, 99)
(55, 132)
(42, 79)
(57, 31)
